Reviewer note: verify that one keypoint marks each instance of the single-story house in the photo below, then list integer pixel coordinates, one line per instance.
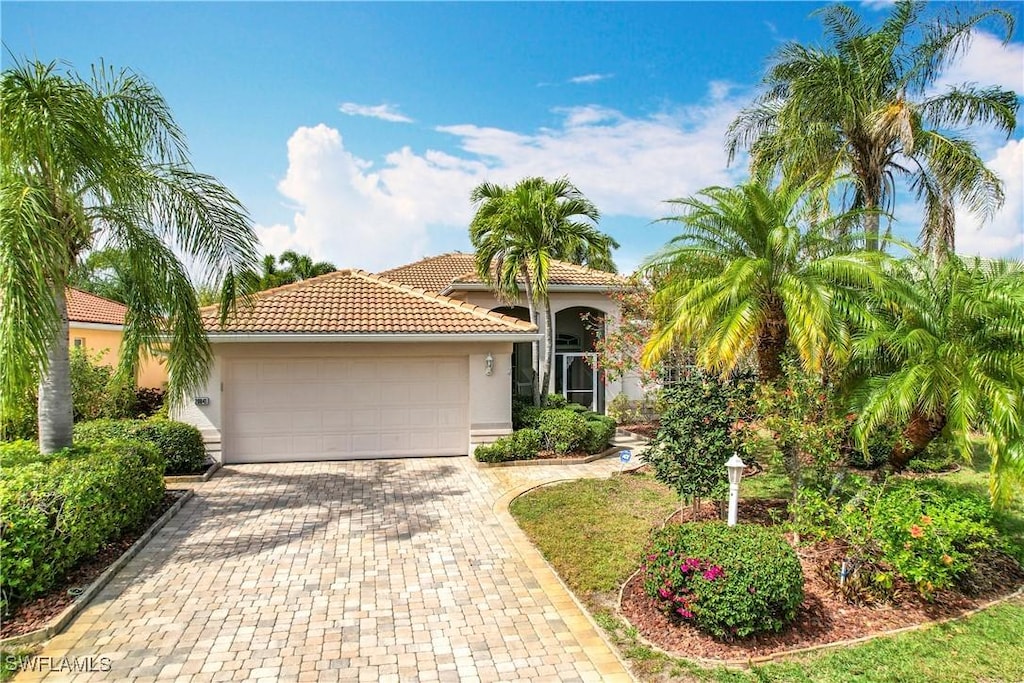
(96, 325)
(417, 361)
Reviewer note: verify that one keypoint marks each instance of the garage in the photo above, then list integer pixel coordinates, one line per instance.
(351, 366)
(285, 409)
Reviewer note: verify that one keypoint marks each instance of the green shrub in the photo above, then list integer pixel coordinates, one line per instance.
(526, 417)
(519, 445)
(696, 434)
(555, 401)
(880, 445)
(180, 444)
(939, 456)
(148, 402)
(54, 514)
(730, 582)
(600, 430)
(926, 531)
(563, 431)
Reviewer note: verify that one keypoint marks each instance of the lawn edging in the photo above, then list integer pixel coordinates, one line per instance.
(172, 479)
(550, 461)
(502, 508)
(61, 621)
(749, 662)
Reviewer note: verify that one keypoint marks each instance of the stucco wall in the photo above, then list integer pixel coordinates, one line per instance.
(490, 403)
(629, 385)
(152, 372)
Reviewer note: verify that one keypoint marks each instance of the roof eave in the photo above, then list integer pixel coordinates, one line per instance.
(246, 337)
(480, 287)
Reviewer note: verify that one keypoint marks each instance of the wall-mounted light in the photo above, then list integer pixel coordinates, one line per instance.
(489, 364)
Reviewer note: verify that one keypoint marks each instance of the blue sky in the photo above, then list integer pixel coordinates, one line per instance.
(356, 131)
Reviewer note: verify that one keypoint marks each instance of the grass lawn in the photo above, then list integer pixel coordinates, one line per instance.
(593, 532)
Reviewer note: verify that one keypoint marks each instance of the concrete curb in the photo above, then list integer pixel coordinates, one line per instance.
(61, 621)
(501, 508)
(171, 480)
(748, 662)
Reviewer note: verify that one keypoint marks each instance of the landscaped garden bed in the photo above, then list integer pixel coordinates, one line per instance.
(558, 433)
(38, 612)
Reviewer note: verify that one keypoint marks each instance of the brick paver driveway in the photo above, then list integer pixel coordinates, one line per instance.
(378, 570)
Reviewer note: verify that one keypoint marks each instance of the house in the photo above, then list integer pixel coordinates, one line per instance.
(96, 325)
(418, 361)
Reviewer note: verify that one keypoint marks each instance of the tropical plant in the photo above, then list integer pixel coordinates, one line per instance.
(302, 267)
(753, 270)
(867, 105)
(99, 272)
(516, 233)
(948, 357)
(101, 161)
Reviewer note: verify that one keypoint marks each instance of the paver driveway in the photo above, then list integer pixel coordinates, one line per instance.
(375, 570)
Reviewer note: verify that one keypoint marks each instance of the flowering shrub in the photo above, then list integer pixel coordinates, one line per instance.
(928, 532)
(730, 582)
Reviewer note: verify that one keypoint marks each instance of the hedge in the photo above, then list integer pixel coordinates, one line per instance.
(56, 512)
(180, 444)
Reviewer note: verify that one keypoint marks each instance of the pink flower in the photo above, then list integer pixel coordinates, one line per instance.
(665, 593)
(713, 572)
(684, 613)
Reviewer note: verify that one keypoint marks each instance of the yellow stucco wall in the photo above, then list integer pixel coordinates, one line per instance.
(152, 372)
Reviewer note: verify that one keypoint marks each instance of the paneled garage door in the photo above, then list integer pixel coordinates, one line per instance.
(279, 409)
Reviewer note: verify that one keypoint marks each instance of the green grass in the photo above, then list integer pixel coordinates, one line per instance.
(9, 660)
(593, 532)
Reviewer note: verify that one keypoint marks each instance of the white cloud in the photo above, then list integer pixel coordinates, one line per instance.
(354, 213)
(1004, 234)
(384, 112)
(589, 78)
(988, 62)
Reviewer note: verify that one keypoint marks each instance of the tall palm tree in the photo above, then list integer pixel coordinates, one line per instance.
(517, 231)
(752, 271)
(302, 267)
(101, 160)
(949, 356)
(867, 106)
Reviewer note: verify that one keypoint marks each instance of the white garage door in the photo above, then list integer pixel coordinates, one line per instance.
(345, 408)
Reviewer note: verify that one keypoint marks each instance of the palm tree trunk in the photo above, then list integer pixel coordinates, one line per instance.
(534, 345)
(545, 362)
(872, 221)
(56, 416)
(771, 343)
(920, 431)
(549, 382)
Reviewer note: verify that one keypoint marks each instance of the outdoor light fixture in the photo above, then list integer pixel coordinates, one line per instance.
(489, 364)
(735, 467)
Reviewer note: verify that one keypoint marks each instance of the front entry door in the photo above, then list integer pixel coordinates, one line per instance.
(579, 378)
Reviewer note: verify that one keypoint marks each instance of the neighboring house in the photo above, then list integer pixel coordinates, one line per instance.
(96, 325)
(352, 365)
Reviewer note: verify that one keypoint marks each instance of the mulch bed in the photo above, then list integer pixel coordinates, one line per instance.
(645, 429)
(37, 613)
(824, 617)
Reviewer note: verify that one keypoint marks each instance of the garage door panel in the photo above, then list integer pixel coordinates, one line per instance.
(331, 408)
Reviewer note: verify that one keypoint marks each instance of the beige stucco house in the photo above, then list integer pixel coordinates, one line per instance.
(96, 325)
(417, 361)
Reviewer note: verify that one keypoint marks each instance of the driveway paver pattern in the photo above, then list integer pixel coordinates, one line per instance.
(386, 570)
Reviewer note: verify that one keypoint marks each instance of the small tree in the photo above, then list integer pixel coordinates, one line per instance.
(696, 436)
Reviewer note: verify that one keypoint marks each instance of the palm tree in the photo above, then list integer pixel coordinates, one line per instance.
(517, 231)
(866, 106)
(101, 161)
(752, 271)
(948, 357)
(302, 267)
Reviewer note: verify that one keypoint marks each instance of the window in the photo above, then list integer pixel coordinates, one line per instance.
(79, 342)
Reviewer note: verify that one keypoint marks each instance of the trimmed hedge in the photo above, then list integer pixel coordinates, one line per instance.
(180, 444)
(521, 445)
(730, 582)
(563, 431)
(56, 512)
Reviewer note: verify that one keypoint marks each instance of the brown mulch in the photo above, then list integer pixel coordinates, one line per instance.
(36, 613)
(824, 617)
(645, 429)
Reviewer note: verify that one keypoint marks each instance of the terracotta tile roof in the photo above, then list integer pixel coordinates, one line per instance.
(84, 307)
(356, 302)
(447, 271)
(433, 273)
